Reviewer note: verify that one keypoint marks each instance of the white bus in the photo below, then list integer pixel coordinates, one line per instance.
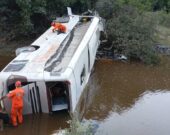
(56, 67)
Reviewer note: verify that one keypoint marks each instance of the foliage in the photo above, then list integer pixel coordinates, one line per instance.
(130, 32)
(78, 128)
(33, 16)
(27, 17)
(161, 5)
(25, 24)
(107, 8)
(9, 17)
(148, 5)
(140, 4)
(20, 17)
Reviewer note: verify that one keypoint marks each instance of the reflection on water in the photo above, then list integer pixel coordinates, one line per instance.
(130, 99)
(148, 116)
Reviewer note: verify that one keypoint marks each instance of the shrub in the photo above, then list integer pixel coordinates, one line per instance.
(78, 128)
(130, 32)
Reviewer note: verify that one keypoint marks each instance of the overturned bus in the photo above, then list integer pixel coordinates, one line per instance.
(55, 68)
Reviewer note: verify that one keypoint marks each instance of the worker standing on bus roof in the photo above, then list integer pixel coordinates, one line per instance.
(58, 27)
(16, 96)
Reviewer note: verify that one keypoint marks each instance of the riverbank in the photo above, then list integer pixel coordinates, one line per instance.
(7, 48)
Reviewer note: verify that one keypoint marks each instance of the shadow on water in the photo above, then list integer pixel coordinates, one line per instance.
(131, 99)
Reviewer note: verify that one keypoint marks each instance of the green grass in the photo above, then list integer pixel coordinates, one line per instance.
(162, 35)
(162, 26)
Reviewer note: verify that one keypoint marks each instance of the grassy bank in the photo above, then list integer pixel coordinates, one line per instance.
(162, 29)
(162, 35)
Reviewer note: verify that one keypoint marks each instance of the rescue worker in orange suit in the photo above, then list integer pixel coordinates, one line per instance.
(58, 27)
(16, 96)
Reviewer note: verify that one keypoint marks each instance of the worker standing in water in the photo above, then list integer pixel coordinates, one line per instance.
(16, 96)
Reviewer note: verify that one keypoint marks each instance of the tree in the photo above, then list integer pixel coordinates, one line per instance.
(159, 5)
(9, 17)
(39, 16)
(25, 24)
(143, 5)
(107, 8)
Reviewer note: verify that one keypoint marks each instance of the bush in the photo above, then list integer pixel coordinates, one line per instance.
(107, 8)
(78, 128)
(130, 32)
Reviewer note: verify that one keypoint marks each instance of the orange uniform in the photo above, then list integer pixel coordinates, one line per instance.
(17, 105)
(58, 27)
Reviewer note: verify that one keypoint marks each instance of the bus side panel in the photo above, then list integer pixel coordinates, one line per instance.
(93, 46)
(82, 68)
(81, 72)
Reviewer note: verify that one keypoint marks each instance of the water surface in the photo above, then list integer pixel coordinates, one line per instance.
(130, 99)
(123, 99)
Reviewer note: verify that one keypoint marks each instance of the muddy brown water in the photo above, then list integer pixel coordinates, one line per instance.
(122, 98)
(4, 61)
(130, 99)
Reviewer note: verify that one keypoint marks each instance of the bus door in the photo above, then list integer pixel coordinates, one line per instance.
(31, 99)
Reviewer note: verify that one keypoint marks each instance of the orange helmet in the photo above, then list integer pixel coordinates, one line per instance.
(18, 83)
